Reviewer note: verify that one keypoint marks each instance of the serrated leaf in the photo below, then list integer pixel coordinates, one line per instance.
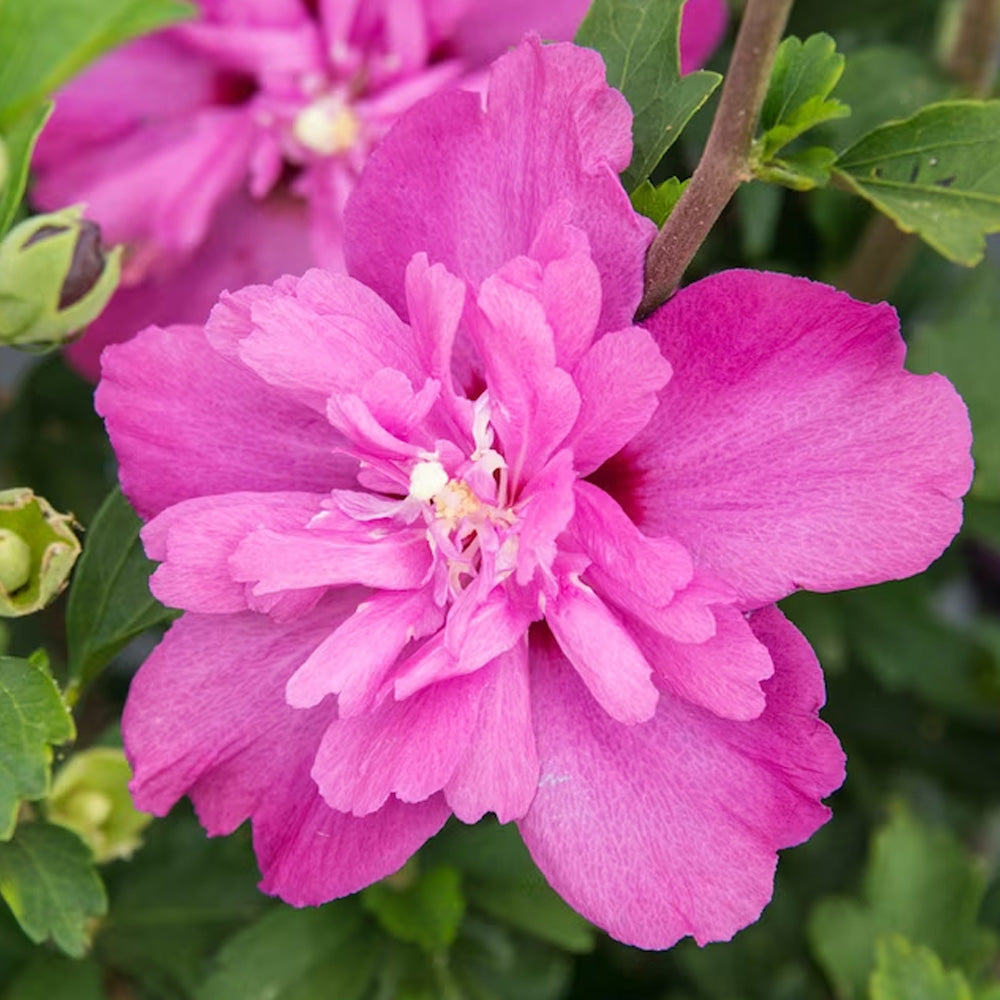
(907, 972)
(33, 718)
(936, 174)
(919, 883)
(962, 344)
(798, 91)
(658, 202)
(48, 879)
(109, 600)
(291, 954)
(20, 143)
(426, 912)
(639, 42)
(65, 35)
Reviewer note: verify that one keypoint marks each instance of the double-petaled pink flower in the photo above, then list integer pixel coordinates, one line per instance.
(452, 535)
(221, 152)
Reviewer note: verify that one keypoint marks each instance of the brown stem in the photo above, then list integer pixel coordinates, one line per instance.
(973, 58)
(724, 163)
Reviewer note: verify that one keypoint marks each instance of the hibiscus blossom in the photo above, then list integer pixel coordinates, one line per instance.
(221, 152)
(453, 536)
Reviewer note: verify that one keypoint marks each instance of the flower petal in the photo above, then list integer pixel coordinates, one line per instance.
(353, 661)
(408, 748)
(669, 828)
(185, 423)
(791, 449)
(551, 123)
(499, 772)
(618, 379)
(206, 714)
(290, 560)
(603, 654)
(194, 539)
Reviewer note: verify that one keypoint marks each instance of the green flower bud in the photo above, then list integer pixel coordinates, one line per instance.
(55, 278)
(90, 796)
(37, 552)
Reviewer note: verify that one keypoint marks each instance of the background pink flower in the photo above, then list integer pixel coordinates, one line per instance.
(222, 152)
(530, 548)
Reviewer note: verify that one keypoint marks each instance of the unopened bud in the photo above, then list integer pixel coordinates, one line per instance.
(55, 278)
(90, 795)
(37, 552)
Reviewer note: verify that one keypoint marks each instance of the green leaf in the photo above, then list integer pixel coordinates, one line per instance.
(639, 42)
(20, 144)
(801, 170)
(426, 911)
(797, 99)
(492, 962)
(880, 83)
(962, 344)
(297, 955)
(109, 601)
(501, 880)
(48, 879)
(936, 174)
(658, 202)
(33, 718)
(45, 42)
(175, 902)
(919, 883)
(905, 972)
(53, 977)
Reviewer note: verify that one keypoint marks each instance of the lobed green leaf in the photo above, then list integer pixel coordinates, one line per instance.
(936, 174)
(919, 883)
(48, 879)
(797, 98)
(33, 718)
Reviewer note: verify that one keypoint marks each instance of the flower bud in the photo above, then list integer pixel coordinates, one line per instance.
(90, 796)
(55, 278)
(37, 552)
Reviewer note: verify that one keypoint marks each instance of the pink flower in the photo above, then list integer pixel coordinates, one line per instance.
(452, 536)
(222, 152)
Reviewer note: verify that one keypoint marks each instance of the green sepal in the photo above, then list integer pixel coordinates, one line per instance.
(37, 551)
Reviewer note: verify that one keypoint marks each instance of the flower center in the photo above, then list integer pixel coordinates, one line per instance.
(327, 126)
(469, 528)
